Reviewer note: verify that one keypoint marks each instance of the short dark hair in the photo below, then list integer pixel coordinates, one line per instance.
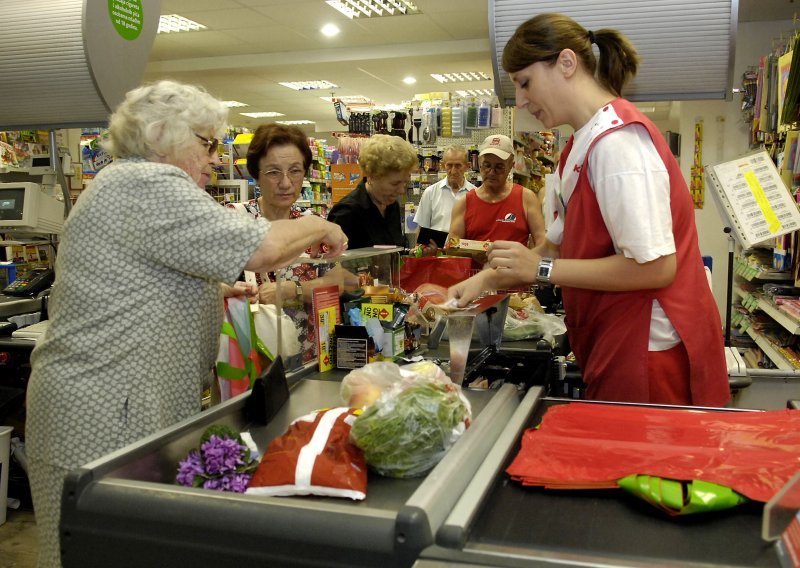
(273, 134)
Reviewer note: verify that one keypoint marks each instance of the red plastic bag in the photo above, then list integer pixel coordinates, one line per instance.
(442, 270)
(581, 445)
(313, 457)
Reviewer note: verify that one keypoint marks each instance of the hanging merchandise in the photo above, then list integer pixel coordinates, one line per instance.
(497, 115)
(417, 125)
(447, 120)
(411, 125)
(398, 124)
(472, 114)
(484, 114)
(457, 118)
(429, 127)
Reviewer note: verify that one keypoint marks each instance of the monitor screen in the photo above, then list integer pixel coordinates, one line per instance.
(11, 202)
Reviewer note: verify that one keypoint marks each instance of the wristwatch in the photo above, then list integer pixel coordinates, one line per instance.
(298, 290)
(545, 268)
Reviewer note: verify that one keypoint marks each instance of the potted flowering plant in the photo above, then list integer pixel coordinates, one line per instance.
(222, 463)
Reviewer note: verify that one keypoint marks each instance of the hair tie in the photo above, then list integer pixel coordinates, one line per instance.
(591, 37)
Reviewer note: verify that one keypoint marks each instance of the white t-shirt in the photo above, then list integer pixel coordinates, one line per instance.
(436, 205)
(631, 184)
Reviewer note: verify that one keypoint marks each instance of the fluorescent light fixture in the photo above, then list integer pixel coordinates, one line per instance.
(461, 77)
(350, 100)
(476, 93)
(409, 80)
(373, 8)
(232, 104)
(309, 85)
(261, 114)
(295, 122)
(173, 23)
(329, 30)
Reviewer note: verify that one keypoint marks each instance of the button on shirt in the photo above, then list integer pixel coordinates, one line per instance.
(436, 205)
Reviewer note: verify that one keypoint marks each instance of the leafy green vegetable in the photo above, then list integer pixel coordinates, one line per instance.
(406, 435)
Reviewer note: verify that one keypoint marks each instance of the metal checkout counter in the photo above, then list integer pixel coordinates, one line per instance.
(125, 509)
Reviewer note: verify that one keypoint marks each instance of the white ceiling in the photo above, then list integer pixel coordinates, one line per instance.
(250, 46)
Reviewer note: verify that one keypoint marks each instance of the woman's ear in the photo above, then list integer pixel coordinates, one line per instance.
(567, 62)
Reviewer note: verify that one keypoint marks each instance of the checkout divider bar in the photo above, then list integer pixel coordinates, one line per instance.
(454, 531)
(423, 513)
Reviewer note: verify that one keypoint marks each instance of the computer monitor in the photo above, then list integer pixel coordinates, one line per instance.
(25, 208)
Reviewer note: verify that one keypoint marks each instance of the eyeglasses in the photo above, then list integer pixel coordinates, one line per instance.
(454, 165)
(276, 176)
(212, 144)
(497, 168)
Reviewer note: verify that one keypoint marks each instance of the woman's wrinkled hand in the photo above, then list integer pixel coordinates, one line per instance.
(241, 288)
(334, 240)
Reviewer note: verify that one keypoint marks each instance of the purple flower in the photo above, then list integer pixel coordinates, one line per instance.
(221, 455)
(219, 465)
(189, 468)
(235, 482)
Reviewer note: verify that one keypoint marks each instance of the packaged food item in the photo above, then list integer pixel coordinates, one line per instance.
(476, 250)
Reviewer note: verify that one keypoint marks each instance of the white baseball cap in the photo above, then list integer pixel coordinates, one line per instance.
(497, 144)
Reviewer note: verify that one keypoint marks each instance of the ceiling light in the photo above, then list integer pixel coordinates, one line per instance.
(329, 30)
(232, 104)
(173, 23)
(476, 93)
(409, 80)
(349, 100)
(295, 121)
(261, 114)
(374, 8)
(463, 77)
(309, 85)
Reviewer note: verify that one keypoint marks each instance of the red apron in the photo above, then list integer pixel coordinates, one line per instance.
(609, 331)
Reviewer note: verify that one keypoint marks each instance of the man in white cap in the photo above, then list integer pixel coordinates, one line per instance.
(498, 210)
(436, 206)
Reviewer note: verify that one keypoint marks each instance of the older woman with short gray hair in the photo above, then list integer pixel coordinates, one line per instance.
(370, 214)
(136, 307)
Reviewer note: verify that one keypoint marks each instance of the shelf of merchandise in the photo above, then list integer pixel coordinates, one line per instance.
(750, 273)
(769, 350)
(786, 321)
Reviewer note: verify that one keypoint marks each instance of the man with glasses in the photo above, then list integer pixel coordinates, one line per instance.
(436, 205)
(498, 210)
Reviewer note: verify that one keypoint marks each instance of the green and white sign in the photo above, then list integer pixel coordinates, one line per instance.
(126, 17)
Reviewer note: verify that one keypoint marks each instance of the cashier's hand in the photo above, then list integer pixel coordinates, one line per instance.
(514, 262)
(241, 288)
(466, 291)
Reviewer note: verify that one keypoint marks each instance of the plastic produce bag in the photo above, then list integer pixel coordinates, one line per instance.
(411, 426)
(361, 387)
(525, 324)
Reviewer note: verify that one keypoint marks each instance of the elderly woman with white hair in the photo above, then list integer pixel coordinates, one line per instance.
(136, 306)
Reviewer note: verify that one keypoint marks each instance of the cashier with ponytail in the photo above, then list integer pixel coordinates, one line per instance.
(640, 316)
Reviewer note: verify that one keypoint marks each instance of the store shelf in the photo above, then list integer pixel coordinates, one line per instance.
(782, 318)
(769, 350)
